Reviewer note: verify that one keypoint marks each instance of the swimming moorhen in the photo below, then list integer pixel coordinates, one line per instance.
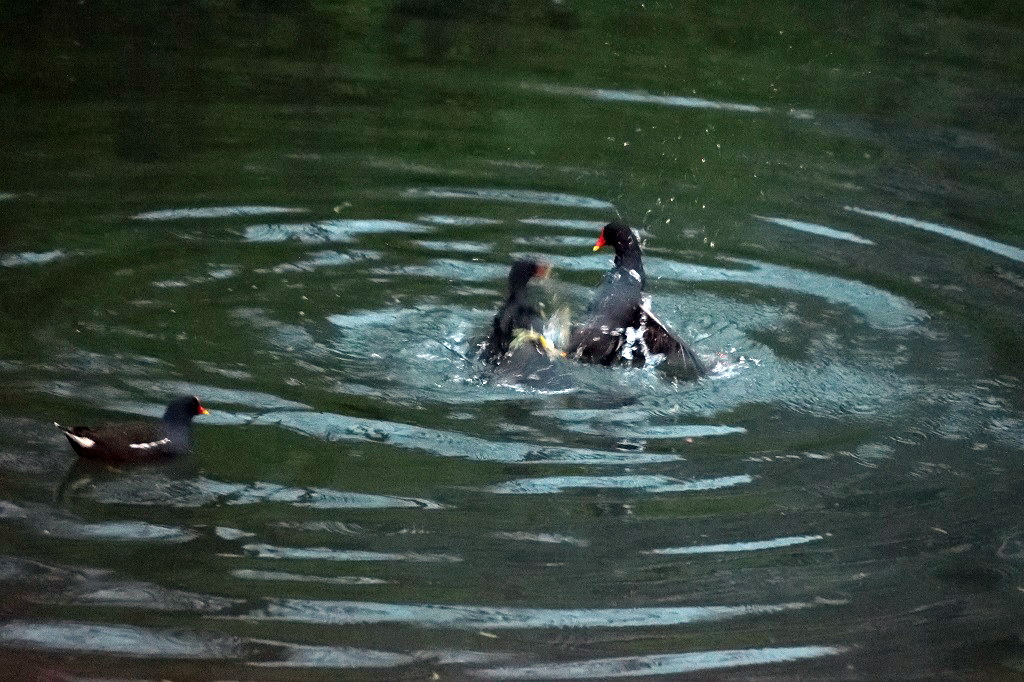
(620, 327)
(139, 441)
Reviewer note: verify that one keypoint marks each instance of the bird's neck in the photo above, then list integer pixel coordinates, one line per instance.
(628, 258)
(180, 433)
(174, 418)
(516, 295)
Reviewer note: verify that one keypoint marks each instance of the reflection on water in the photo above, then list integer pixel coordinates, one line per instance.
(661, 664)
(54, 524)
(327, 230)
(518, 196)
(249, 574)
(140, 642)
(320, 259)
(351, 657)
(590, 226)
(643, 98)
(335, 427)
(879, 307)
(28, 258)
(651, 484)
(305, 213)
(473, 617)
(197, 492)
(1011, 252)
(122, 640)
(214, 212)
(820, 230)
(324, 554)
(750, 546)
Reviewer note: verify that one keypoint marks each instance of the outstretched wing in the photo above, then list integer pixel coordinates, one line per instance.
(661, 340)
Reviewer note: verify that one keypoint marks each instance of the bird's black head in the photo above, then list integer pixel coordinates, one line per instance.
(626, 245)
(522, 271)
(184, 408)
(618, 235)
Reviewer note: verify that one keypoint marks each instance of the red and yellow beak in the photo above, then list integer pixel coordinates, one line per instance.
(600, 242)
(203, 410)
(542, 270)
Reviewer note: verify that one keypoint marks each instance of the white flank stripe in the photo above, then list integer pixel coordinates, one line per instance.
(152, 444)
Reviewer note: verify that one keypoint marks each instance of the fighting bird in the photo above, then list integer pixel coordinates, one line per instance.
(516, 346)
(619, 327)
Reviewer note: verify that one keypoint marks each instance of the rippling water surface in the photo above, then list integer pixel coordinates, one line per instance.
(305, 215)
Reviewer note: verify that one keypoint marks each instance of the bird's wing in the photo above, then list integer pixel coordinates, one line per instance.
(660, 339)
(129, 433)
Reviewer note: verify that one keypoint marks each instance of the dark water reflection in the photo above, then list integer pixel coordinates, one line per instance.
(304, 213)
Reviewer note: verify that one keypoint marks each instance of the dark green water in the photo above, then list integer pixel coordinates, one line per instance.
(303, 212)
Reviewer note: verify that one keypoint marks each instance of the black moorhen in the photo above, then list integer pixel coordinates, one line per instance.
(620, 327)
(517, 323)
(139, 441)
(516, 348)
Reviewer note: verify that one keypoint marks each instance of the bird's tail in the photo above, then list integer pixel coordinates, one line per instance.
(76, 439)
